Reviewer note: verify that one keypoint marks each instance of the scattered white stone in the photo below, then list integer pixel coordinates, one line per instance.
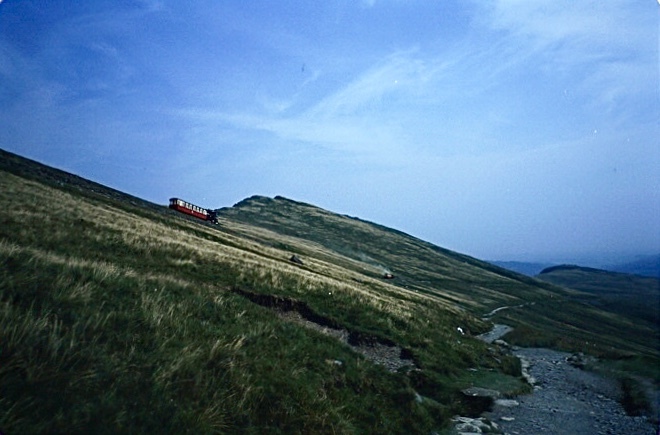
(467, 425)
(507, 402)
(502, 343)
(507, 418)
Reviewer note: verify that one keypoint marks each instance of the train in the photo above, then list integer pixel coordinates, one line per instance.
(205, 214)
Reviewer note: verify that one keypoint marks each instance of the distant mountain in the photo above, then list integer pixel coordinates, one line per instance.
(648, 265)
(529, 269)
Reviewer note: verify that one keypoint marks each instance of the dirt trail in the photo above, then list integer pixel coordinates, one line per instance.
(566, 400)
(497, 310)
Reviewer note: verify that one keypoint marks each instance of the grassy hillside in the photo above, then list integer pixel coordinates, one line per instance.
(545, 314)
(119, 315)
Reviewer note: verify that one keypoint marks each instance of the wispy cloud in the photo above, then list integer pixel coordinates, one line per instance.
(549, 22)
(399, 73)
(586, 33)
(354, 117)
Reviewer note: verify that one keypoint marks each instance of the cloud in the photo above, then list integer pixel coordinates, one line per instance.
(569, 34)
(397, 73)
(585, 22)
(350, 119)
(603, 51)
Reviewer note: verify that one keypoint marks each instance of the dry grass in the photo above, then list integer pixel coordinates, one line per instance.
(95, 289)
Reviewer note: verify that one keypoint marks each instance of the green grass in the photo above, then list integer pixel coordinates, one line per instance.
(636, 297)
(85, 349)
(113, 322)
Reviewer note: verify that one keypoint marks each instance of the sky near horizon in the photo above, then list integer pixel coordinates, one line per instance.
(504, 129)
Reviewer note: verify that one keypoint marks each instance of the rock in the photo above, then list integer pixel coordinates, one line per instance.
(467, 425)
(295, 259)
(502, 343)
(507, 402)
(579, 360)
(481, 392)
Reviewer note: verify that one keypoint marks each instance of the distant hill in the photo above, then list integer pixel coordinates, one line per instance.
(529, 269)
(417, 265)
(635, 296)
(646, 266)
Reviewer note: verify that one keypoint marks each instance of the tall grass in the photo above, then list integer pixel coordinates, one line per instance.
(111, 322)
(85, 351)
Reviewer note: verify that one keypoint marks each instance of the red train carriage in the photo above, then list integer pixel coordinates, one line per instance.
(193, 210)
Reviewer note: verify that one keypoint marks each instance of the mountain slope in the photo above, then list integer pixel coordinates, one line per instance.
(120, 315)
(117, 314)
(418, 266)
(544, 314)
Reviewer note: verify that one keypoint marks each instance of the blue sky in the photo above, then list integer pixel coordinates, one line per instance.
(505, 129)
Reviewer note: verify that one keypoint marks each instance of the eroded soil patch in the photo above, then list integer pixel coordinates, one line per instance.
(376, 349)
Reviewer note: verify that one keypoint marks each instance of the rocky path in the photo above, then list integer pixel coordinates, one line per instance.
(566, 400)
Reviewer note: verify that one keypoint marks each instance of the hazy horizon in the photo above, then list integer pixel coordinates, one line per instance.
(505, 130)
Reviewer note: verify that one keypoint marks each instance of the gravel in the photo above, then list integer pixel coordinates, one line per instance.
(566, 400)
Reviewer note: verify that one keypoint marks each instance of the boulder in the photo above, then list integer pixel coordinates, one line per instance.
(295, 259)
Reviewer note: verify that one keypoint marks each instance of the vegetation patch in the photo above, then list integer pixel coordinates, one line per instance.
(379, 350)
(634, 398)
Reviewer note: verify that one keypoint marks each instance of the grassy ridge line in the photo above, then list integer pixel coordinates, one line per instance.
(131, 314)
(550, 316)
(418, 265)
